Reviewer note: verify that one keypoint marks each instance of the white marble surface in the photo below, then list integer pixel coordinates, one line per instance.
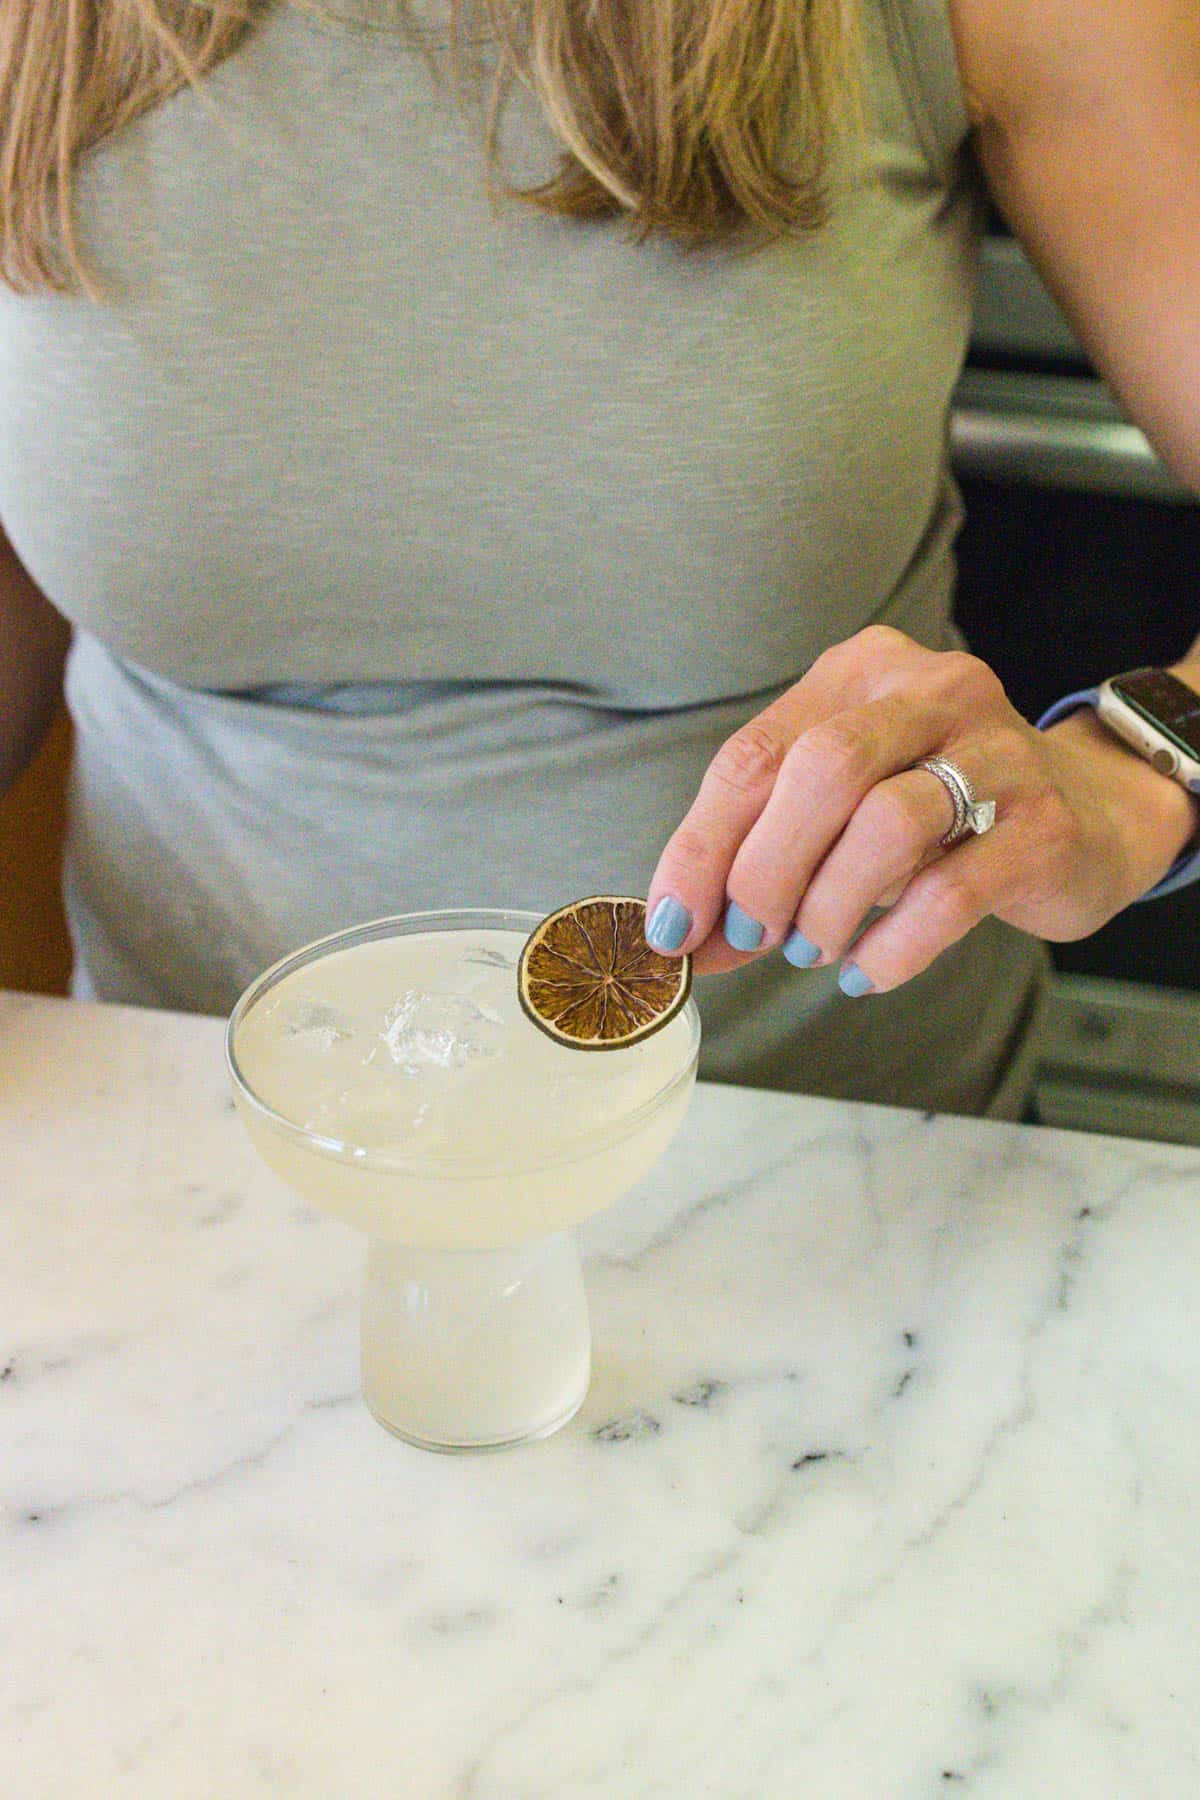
(886, 1486)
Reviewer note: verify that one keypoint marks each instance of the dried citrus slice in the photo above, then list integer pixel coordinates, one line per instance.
(588, 978)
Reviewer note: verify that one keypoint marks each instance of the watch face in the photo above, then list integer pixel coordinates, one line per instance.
(1165, 701)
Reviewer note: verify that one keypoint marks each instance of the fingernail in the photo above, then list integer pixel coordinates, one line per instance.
(800, 951)
(853, 982)
(669, 924)
(741, 931)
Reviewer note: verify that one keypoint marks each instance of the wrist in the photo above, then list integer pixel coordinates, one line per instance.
(1189, 671)
(1151, 817)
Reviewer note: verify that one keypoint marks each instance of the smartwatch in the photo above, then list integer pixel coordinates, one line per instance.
(1158, 715)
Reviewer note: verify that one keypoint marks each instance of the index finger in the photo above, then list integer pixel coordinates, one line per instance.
(687, 894)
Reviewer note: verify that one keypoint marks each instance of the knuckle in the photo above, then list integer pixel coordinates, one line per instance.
(755, 878)
(882, 640)
(952, 898)
(691, 849)
(872, 645)
(752, 757)
(836, 665)
(969, 675)
(841, 749)
(894, 818)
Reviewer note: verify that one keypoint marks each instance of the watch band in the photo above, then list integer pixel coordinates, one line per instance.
(1068, 704)
(1186, 867)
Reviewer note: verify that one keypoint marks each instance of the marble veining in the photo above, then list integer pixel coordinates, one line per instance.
(885, 1486)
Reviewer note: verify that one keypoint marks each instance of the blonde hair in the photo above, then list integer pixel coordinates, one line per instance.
(701, 120)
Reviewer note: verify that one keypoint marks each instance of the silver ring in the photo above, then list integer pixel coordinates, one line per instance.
(970, 814)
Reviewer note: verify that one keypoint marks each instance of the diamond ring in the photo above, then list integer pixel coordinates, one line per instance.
(970, 814)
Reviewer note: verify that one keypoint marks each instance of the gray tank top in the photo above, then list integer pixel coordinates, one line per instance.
(422, 551)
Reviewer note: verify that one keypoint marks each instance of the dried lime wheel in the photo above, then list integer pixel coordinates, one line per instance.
(588, 978)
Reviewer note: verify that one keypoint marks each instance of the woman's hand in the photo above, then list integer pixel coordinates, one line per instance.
(811, 815)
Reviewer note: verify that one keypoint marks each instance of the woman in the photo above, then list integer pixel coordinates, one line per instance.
(450, 502)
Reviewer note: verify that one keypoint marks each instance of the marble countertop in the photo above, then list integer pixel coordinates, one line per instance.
(885, 1488)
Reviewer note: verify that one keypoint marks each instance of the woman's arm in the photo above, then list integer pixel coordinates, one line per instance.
(33, 648)
(1087, 123)
(1087, 117)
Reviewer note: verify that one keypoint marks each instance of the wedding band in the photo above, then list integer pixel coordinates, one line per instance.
(970, 814)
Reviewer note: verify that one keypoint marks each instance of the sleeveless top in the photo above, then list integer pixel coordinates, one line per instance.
(423, 549)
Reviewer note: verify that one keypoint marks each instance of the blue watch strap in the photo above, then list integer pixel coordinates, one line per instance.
(1186, 867)
(1184, 870)
(1068, 704)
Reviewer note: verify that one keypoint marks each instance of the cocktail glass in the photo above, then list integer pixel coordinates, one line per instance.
(474, 1328)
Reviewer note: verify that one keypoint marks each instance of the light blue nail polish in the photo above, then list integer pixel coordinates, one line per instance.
(741, 931)
(800, 951)
(853, 982)
(669, 924)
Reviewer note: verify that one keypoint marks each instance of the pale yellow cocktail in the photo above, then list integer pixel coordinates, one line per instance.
(389, 1075)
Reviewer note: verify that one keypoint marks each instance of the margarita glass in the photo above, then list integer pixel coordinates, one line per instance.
(389, 1075)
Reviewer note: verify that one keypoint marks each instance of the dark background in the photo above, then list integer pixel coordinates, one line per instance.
(1058, 590)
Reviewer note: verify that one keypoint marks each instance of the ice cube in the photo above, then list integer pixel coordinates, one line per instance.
(353, 1118)
(317, 1026)
(490, 959)
(484, 971)
(438, 1031)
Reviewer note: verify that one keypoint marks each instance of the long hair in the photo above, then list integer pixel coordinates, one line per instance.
(701, 120)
